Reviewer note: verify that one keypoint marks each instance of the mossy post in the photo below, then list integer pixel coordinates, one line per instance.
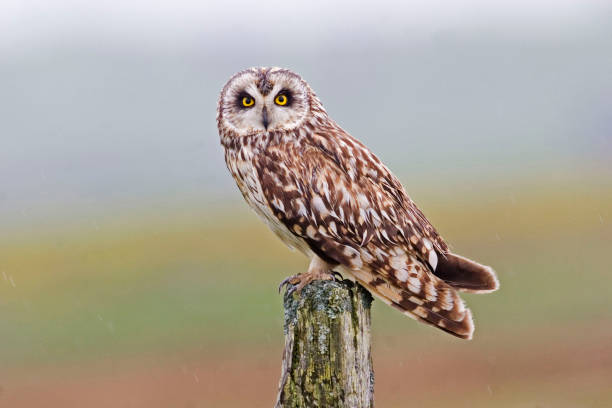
(327, 360)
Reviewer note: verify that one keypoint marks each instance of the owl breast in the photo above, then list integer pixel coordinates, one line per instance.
(240, 161)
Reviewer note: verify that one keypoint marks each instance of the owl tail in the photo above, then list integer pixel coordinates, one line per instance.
(428, 299)
(466, 275)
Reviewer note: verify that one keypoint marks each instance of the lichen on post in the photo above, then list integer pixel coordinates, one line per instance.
(327, 358)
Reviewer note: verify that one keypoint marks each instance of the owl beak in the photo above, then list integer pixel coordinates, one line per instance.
(264, 116)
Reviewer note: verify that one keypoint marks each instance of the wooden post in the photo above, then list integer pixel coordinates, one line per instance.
(327, 360)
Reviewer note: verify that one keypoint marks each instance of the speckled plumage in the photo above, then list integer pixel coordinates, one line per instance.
(323, 192)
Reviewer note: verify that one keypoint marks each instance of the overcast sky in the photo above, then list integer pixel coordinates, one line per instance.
(114, 101)
(27, 22)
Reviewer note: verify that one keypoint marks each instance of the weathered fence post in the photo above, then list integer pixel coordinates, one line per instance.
(327, 360)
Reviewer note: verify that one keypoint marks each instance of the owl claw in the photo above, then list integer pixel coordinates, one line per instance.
(299, 281)
(337, 276)
(289, 280)
(291, 289)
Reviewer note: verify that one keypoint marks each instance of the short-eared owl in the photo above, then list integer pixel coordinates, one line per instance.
(323, 192)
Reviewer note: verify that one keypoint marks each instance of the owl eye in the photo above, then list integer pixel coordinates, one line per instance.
(281, 99)
(247, 101)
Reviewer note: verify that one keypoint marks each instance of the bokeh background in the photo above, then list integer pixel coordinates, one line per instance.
(133, 275)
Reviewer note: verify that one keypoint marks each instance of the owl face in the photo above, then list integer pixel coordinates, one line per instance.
(259, 100)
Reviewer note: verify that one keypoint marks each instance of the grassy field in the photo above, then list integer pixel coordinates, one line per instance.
(180, 308)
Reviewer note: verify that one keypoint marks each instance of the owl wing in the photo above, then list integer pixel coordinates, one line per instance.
(350, 210)
(399, 210)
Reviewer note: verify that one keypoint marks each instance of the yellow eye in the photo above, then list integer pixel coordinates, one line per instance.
(248, 101)
(281, 99)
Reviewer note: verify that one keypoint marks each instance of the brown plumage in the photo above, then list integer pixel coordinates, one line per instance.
(323, 192)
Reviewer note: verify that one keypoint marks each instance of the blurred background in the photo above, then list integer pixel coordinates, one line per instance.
(132, 274)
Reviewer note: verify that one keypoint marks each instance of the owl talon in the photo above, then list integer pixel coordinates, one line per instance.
(336, 276)
(291, 289)
(301, 280)
(289, 280)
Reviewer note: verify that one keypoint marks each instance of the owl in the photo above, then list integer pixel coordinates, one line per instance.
(327, 195)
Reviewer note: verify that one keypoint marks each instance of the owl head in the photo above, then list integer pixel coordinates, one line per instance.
(260, 100)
